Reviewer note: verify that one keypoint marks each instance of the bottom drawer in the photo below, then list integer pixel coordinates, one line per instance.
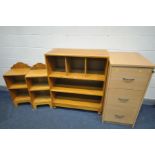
(118, 115)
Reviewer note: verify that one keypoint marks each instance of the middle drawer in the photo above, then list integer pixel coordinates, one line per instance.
(124, 98)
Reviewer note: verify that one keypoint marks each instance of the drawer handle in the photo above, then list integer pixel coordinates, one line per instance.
(123, 99)
(119, 116)
(128, 79)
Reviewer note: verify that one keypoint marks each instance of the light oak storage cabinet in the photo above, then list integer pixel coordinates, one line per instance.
(77, 78)
(16, 84)
(38, 87)
(128, 78)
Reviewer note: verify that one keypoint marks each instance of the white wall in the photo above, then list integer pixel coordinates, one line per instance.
(28, 44)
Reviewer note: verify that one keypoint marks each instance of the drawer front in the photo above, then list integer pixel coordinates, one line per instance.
(129, 78)
(130, 72)
(124, 98)
(118, 115)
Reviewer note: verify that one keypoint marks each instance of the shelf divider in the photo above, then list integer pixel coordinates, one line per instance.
(85, 66)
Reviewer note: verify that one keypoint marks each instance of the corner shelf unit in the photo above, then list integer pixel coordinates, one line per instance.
(38, 86)
(16, 84)
(77, 78)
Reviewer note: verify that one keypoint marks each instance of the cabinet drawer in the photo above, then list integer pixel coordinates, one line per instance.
(130, 72)
(124, 98)
(118, 115)
(129, 78)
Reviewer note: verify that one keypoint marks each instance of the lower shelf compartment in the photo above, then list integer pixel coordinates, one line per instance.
(20, 95)
(77, 101)
(21, 99)
(77, 86)
(39, 87)
(42, 100)
(40, 97)
(77, 104)
(18, 86)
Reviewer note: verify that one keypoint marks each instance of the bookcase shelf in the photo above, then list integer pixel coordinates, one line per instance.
(95, 77)
(77, 86)
(75, 75)
(15, 81)
(77, 101)
(38, 86)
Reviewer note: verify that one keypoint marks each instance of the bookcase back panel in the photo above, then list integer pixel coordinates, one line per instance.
(56, 63)
(76, 65)
(15, 79)
(96, 65)
(41, 93)
(39, 81)
(20, 92)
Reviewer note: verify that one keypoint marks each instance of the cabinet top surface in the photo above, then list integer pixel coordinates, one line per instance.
(37, 73)
(129, 59)
(78, 53)
(17, 72)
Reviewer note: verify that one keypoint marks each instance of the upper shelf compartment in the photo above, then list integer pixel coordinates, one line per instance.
(96, 65)
(75, 64)
(55, 63)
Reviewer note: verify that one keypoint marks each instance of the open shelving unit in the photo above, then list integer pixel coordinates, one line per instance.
(38, 86)
(16, 84)
(77, 78)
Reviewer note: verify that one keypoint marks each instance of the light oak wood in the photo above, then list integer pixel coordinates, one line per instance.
(130, 72)
(119, 115)
(37, 73)
(128, 78)
(81, 76)
(77, 64)
(37, 82)
(129, 59)
(42, 100)
(39, 87)
(18, 86)
(124, 98)
(15, 81)
(128, 83)
(77, 90)
(79, 53)
(21, 99)
(77, 104)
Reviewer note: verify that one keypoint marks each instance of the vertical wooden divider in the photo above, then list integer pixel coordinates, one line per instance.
(85, 66)
(67, 67)
(52, 99)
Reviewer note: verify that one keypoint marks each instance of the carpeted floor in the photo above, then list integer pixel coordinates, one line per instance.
(24, 117)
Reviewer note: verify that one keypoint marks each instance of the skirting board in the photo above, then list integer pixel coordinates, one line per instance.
(146, 101)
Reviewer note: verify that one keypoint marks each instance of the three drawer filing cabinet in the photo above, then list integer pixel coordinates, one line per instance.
(128, 78)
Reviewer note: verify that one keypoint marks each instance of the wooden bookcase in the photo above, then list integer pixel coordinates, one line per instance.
(77, 78)
(16, 84)
(38, 86)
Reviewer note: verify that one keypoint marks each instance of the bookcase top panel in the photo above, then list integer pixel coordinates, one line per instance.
(129, 59)
(37, 73)
(78, 53)
(17, 72)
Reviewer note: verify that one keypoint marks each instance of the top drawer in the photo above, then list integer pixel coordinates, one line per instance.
(129, 78)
